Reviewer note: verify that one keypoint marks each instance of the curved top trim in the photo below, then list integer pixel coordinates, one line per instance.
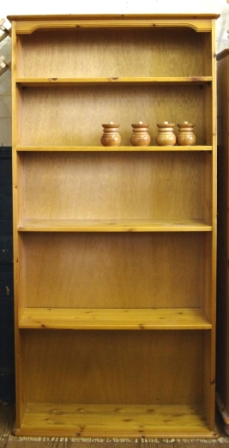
(29, 24)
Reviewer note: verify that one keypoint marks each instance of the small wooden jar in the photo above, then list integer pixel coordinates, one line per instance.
(140, 136)
(111, 136)
(186, 135)
(166, 136)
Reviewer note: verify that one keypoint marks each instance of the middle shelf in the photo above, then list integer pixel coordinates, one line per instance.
(106, 225)
(141, 149)
(114, 319)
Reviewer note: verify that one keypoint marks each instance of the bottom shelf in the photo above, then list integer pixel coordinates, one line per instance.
(60, 420)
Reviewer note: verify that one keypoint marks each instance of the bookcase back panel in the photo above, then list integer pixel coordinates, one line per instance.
(107, 270)
(114, 52)
(103, 185)
(74, 115)
(114, 367)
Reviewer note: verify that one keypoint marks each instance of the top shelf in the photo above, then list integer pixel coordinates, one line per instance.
(28, 24)
(44, 82)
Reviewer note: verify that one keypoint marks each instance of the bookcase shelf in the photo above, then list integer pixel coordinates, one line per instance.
(113, 319)
(113, 148)
(114, 247)
(76, 225)
(98, 421)
(85, 408)
(47, 82)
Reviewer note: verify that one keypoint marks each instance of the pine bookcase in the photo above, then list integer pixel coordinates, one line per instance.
(114, 247)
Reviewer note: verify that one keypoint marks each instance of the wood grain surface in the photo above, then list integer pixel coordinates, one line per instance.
(7, 440)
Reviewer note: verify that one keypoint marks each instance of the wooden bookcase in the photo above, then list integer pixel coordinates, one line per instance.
(223, 237)
(114, 248)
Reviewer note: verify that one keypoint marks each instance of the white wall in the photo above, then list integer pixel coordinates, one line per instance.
(11, 7)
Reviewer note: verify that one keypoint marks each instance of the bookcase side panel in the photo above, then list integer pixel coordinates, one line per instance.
(223, 231)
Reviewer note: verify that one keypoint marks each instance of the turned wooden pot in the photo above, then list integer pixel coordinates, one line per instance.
(111, 136)
(140, 135)
(166, 136)
(186, 135)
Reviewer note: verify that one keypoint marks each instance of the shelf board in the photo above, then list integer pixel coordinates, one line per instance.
(136, 421)
(101, 148)
(46, 82)
(111, 319)
(105, 225)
